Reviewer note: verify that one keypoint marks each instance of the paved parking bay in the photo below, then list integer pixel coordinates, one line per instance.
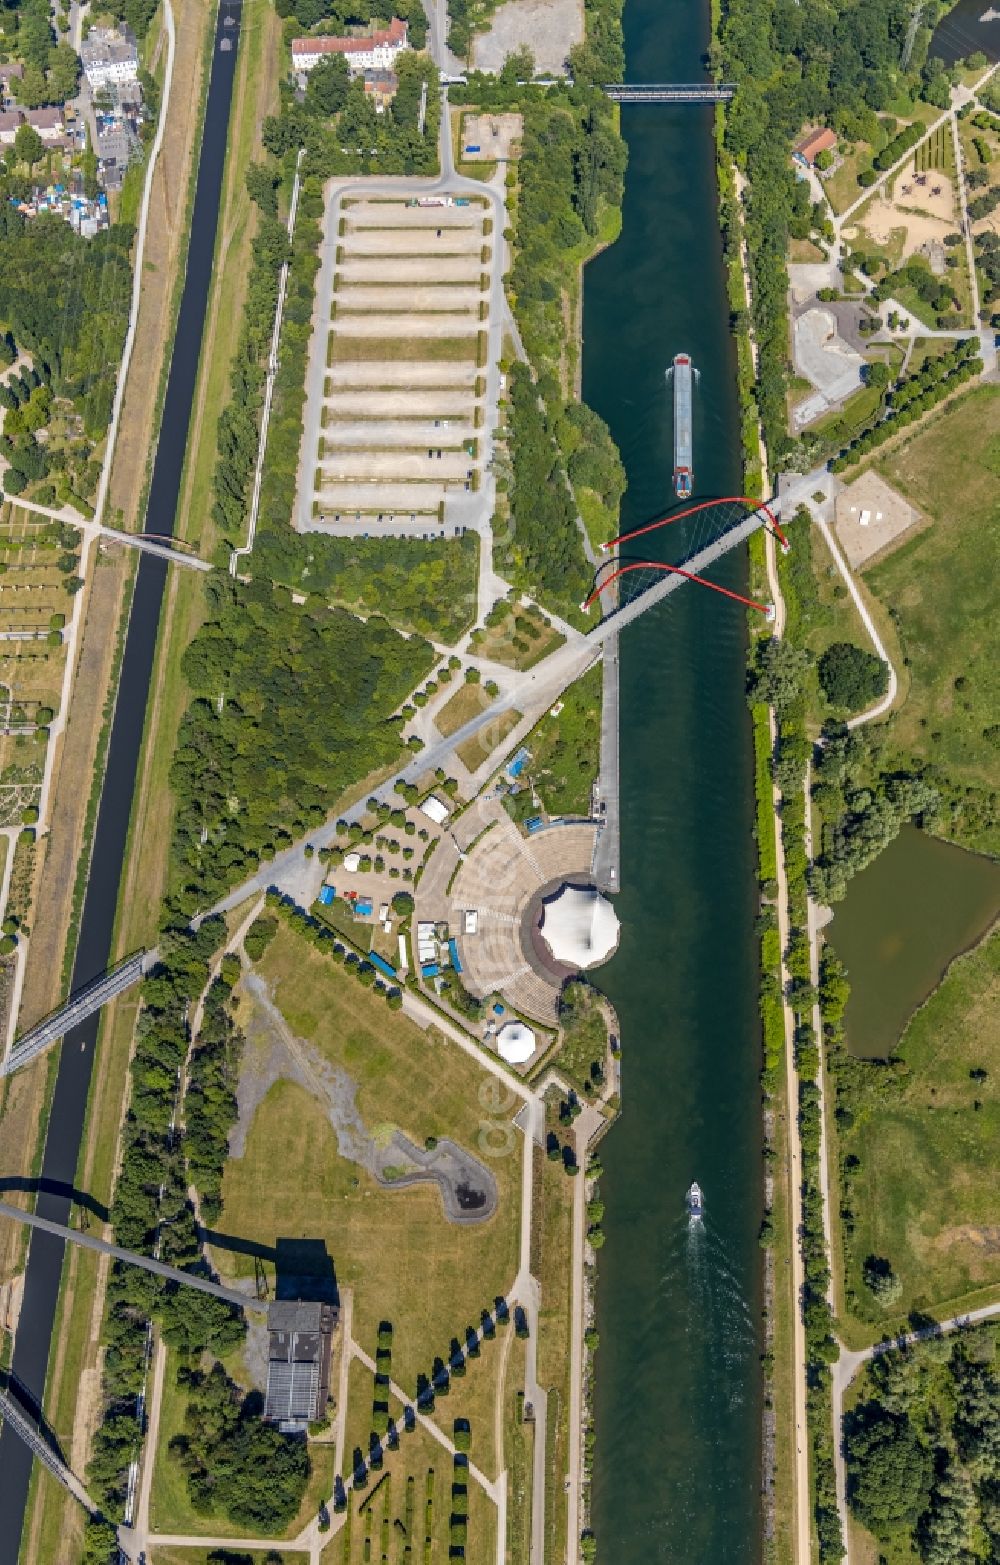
(358, 372)
(382, 434)
(397, 326)
(449, 297)
(419, 241)
(347, 498)
(390, 214)
(339, 466)
(399, 404)
(411, 269)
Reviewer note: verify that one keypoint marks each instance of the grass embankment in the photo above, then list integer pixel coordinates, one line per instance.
(923, 1183)
(565, 751)
(938, 588)
(72, 1393)
(551, 1255)
(405, 1262)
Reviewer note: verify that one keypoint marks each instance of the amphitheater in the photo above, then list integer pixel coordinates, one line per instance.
(503, 880)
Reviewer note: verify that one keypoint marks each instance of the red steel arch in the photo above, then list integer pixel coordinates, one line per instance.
(673, 570)
(692, 510)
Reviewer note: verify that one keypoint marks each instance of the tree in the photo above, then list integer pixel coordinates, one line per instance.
(28, 146)
(889, 1469)
(852, 677)
(64, 73)
(882, 1280)
(780, 673)
(262, 187)
(326, 88)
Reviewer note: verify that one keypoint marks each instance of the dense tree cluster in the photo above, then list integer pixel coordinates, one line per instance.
(341, 131)
(923, 1449)
(235, 1464)
(66, 300)
(293, 702)
(544, 552)
(797, 64)
(336, 16)
(863, 810)
(852, 677)
(210, 1106)
(427, 585)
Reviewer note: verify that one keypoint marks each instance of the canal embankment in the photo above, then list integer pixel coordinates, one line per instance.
(67, 1115)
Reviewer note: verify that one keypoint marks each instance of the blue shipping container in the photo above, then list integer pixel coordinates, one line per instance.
(431, 970)
(381, 963)
(327, 895)
(453, 948)
(474, 149)
(363, 907)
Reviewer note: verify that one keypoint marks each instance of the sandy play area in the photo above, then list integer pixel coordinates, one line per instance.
(871, 516)
(922, 206)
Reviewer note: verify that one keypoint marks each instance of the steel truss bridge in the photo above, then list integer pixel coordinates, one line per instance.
(670, 92)
(80, 1005)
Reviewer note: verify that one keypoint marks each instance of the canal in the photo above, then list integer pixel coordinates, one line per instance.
(678, 1407)
(66, 1120)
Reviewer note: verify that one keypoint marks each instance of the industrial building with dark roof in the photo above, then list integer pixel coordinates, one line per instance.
(300, 1345)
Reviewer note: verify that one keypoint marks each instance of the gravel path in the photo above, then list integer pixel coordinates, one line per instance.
(274, 1053)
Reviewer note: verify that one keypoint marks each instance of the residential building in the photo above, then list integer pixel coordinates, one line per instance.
(49, 123)
(300, 1345)
(11, 121)
(109, 55)
(9, 75)
(374, 51)
(381, 87)
(813, 144)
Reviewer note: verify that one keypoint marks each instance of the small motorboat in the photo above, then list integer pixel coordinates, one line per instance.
(695, 1201)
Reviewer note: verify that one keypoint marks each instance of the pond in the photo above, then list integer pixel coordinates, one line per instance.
(970, 27)
(903, 920)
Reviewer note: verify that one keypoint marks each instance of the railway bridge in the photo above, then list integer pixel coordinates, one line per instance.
(670, 92)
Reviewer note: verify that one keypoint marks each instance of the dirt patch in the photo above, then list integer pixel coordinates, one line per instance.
(871, 517)
(549, 28)
(274, 1053)
(921, 212)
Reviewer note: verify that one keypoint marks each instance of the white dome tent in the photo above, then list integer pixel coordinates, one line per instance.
(580, 927)
(516, 1043)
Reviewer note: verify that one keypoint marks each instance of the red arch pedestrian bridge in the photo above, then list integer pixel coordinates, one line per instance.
(626, 585)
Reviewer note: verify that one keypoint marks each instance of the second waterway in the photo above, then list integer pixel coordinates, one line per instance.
(678, 1411)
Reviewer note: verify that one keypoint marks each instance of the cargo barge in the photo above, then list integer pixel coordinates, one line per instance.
(683, 455)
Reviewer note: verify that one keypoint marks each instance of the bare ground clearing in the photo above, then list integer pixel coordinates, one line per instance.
(389, 269)
(417, 297)
(395, 404)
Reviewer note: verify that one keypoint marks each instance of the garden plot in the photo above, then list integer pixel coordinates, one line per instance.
(392, 429)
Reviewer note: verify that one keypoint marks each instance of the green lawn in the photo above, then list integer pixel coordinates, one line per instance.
(939, 588)
(405, 1262)
(408, 1500)
(566, 749)
(925, 1192)
(466, 703)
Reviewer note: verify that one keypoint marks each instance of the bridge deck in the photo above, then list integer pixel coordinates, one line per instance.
(81, 1005)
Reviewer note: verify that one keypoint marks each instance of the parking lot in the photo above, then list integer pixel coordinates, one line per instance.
(404, 336)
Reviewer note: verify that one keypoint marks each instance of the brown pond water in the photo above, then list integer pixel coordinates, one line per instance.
(903, 920)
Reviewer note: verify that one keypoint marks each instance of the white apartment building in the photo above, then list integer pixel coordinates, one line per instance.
(109, 57)
(376, 51)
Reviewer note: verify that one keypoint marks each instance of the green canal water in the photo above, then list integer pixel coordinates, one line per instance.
(903, 920)
(678, 1405)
